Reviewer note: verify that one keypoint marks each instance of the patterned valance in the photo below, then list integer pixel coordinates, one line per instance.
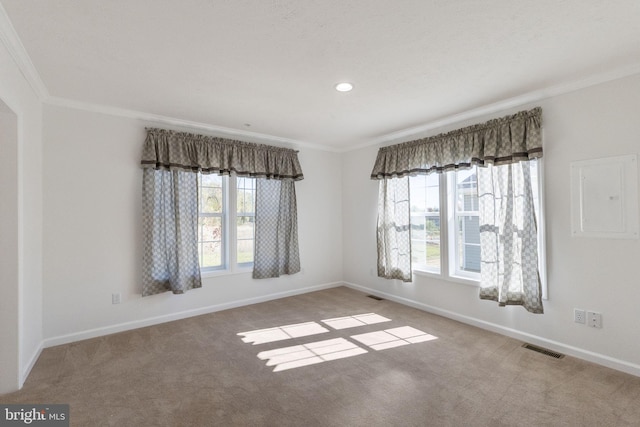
(171, 150)
(505, 140)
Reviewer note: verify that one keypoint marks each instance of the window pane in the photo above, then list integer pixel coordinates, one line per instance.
(425, 221)
(466, 190)
(211, 201)
(246, 195)
(245, 227)
(467, 229)
(210, 228)
(245, 236)
(245, 222)
(210, 221)
(211, 180)
(433, 242)
(213, 235)
(210, 254)
(468, 243)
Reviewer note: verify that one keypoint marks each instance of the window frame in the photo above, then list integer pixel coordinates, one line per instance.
(425, 213)
(455, 269)
(448, 268)
(229, 236)
(223, 222)
(234, 221)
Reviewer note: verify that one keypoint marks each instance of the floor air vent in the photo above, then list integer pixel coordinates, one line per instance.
(543, 351)
(375, 297)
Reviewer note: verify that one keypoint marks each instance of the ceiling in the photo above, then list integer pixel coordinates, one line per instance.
(269, 67)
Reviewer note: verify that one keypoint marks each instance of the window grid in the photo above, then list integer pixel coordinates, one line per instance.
(222, 246)
(245, 220)
(466, 262)
(212, 221)
(454, 210)
(425, 222)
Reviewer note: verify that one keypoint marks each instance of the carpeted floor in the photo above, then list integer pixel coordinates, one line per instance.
(199, 372)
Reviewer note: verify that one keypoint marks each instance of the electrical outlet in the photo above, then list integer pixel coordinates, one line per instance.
(579, 316)
(116, 298)
(594, 319)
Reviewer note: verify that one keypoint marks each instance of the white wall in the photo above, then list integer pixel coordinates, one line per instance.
(87, 179)
(92, 231)
(9, 251)
(20, 225)
(594, 274)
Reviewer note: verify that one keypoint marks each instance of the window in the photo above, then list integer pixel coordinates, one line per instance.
(221, 247)
(425, 222)
(464, 223)
(451, 199)
(245, 219)
(211, 220)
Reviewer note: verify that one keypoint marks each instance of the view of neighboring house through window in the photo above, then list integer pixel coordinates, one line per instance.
(455, 246)
(465, 226)
(220, 246)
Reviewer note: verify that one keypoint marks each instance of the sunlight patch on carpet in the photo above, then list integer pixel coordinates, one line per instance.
(390, 338)
(297, 356)
(309, 354)
(279, 333)
(354, 321)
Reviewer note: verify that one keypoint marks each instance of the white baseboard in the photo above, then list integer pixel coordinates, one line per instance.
(27, 369)
(126, 326)
(600, 359)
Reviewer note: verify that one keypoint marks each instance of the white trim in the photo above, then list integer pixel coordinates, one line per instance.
(16, 49)
(20, 136)
(497, 107)
(206, 274)
(408, 133)
(448, 278)
(542, 230)
(600, 359)
(150, 321)
(27, 369)
(14, 45)
(171, 121)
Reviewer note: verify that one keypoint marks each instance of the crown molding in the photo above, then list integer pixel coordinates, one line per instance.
(16, 49)
(407, 134)
(172, 121)
(517, 101)
(11, 41)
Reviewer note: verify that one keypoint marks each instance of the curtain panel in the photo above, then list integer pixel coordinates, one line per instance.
(394, 229)
(170, 224)
(171, 150)
(171, 161)
(276, 250)
(509, 237)
(505, 140)
(502, 147)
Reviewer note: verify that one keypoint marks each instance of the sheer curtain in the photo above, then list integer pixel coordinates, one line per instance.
(394, 229)
(501, 148)
(508, 237)
(171, 162)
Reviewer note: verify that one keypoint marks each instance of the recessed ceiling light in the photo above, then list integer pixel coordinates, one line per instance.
(344, 87)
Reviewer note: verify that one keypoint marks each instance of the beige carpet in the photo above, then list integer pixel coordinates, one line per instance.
(199, 372)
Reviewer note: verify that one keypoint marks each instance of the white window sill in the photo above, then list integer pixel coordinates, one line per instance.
(227, 272)
(453, 279)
